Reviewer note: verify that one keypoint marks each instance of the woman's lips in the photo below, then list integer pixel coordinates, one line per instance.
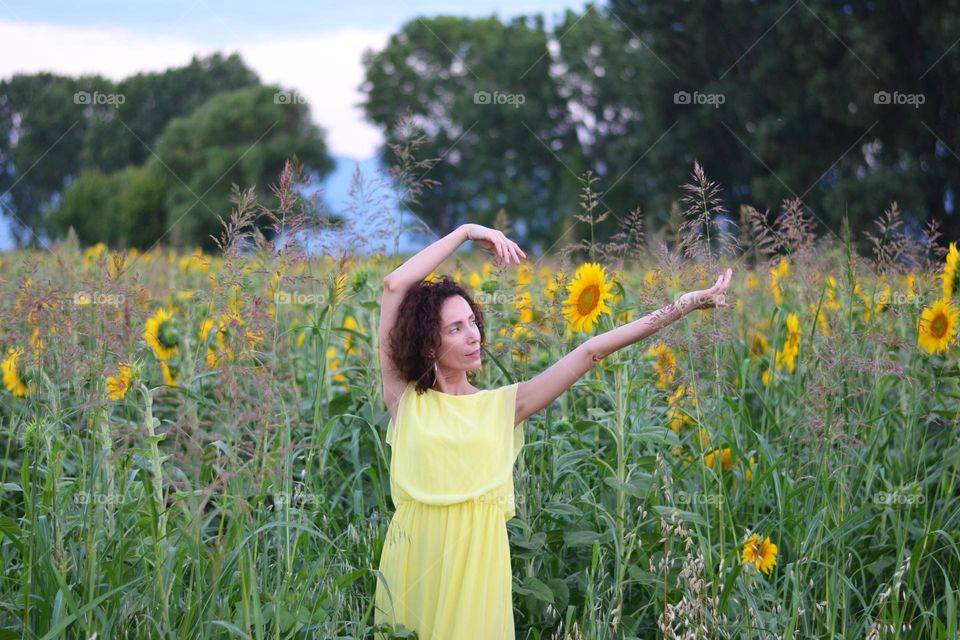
(475, 354)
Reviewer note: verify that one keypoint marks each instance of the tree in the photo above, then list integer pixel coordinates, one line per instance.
(41, 133)
(125, 208)
(490, 112)
(53, 128)
(239, 138)
(124, 135)
(800, 115)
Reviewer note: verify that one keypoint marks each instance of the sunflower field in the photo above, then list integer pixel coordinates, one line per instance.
(193, 445)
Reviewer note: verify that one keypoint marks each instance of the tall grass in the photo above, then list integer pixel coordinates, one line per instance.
(251, 499)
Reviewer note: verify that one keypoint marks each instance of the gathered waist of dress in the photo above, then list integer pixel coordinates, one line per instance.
(503, 502)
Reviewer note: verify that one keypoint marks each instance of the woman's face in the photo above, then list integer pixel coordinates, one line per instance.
(459, 335)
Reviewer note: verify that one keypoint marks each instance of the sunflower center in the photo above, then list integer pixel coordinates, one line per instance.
(166, 334)
(938, 328)
(588, 299)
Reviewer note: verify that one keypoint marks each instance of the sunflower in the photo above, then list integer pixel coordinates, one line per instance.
(217, 347)
(777, 274)
(588, 295)
(11, 377)
(768, 556)
(334, 364)
(554, 283)
(665, 365)
(724, 460)
(759, 345)
(351, 324)
(951, 272)
(169, 375)
(117, 386)
(161, 334)
(793, 334)
(524, 275)
(37, 342)
(822, 322)
(762, 554)
(523, 303)
(678, 417)
(938, 326)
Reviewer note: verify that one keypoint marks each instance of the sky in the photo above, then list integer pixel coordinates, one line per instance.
(313, 48)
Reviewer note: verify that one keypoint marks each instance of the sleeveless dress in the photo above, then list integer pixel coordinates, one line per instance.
(445, 562)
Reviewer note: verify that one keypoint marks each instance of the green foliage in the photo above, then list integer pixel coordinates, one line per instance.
(450, 72)
(790, 110)
(86, 152)
(122, 209)
(240, 138)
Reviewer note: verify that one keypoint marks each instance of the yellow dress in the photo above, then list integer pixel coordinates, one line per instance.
(445, 563)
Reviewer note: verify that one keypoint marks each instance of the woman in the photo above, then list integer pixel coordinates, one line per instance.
(445, 567)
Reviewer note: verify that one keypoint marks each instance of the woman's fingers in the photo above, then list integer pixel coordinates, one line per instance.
(517, 251)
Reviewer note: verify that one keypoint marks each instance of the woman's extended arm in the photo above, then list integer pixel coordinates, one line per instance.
(541, 390)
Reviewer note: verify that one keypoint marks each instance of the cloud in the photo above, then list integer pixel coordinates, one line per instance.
(326, 68)
(327, 71)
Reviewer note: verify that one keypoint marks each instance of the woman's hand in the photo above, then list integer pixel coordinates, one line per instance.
(714, 297)
(494, 241)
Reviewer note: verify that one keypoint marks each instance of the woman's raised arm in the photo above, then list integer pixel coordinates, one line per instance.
(544, 388)
(411, 273)
(423, 263)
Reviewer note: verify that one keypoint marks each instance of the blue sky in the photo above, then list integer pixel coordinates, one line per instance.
(220, 21)
(313, 48)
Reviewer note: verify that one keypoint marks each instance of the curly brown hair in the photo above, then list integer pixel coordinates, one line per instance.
(417, 330)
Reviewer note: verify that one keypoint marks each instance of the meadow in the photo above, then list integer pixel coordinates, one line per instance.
(193, 444)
